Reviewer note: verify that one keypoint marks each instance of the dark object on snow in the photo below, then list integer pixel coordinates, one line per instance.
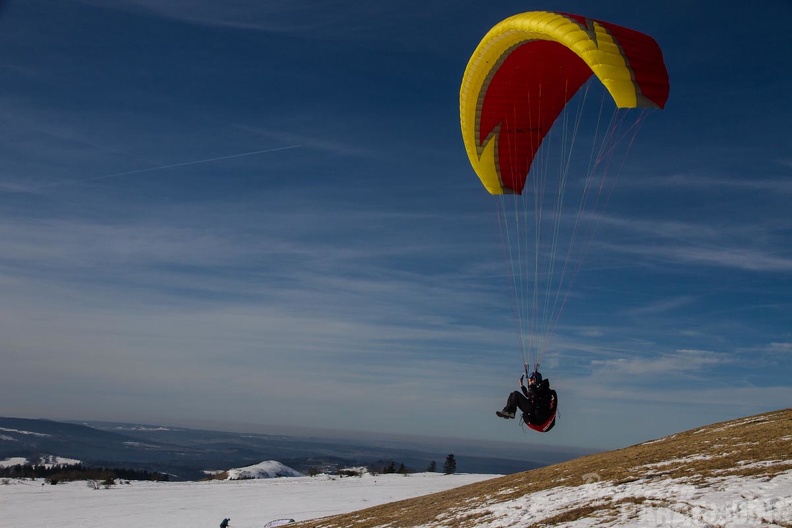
(224, 524)
(278, 522)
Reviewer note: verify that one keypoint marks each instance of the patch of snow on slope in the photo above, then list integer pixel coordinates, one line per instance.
(14, 461)
(48, 461)
(678, 461)
(22, 432)
(736, 423)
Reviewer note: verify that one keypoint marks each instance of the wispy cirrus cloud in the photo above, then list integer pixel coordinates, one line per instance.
(710, 182)
(661, 307)
(680, 362)
(746, 259)
(336, 19)
(780, 348)
(319, 141)
(739, 245)
(282, 17)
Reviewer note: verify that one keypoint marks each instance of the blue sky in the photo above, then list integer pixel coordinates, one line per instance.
(346, 276)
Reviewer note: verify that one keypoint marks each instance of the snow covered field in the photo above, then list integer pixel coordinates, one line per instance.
(732, 502)
(248, 503)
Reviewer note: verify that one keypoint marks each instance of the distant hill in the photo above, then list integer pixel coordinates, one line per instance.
(736, 473)
(34, 438)
(266, 469)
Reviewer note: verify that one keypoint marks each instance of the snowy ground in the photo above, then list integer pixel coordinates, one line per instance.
(727, 502)
(249, 503)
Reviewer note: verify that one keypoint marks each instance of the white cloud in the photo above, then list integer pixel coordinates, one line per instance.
(711, 183)
(747, 259)
(747, 247)
(337, 19)
(662, 306)
(681, 362)
(784, 348)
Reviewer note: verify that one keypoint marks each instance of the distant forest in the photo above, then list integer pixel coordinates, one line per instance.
(56, 473)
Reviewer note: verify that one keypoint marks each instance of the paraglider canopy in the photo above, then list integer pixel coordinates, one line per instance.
(528, 67)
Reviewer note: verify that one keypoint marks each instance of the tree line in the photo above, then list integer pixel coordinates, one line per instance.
(449, 467)
(60, 473)
(56, 473)
(384, 467)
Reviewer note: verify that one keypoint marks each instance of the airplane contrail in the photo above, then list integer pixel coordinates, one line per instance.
(171, 166)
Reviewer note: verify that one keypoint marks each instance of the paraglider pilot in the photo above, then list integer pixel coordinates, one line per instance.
(524, 399)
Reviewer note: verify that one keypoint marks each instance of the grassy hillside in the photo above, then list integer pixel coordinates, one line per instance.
(757, 448)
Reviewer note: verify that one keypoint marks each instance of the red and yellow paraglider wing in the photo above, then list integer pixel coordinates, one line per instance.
(526, 69)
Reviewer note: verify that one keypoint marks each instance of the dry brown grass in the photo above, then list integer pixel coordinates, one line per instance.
(750, 447)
